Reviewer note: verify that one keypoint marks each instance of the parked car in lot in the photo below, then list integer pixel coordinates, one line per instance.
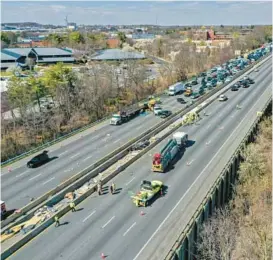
(222, 98)
(181, 101)
(165, 113)
(38, 160)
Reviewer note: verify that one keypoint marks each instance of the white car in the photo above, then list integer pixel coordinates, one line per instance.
(157, 110)
(222, 98)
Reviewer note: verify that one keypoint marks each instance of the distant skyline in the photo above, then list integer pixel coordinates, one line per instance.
(131, 12)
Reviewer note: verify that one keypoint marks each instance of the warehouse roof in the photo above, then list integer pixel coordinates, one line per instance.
(6, 55)
(17, 52)
(51, 51)
(116, 54)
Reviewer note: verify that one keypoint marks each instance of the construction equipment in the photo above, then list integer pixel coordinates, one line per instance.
(163, 159)
(148, 189)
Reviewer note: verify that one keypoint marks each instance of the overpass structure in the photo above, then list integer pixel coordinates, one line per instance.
(113, 226)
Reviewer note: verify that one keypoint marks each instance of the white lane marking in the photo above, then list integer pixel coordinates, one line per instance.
(116, 141)
(34, 177)
(22, 173)
(51, 179)
(87, 157)
(200, 174)
(208, 126)
(139, 127)
(63, 153)
(89, 216)
(108, 222)
(129, 229)
(75, 155)
(130, 181)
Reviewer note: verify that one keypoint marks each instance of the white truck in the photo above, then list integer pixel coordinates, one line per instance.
(175, 89)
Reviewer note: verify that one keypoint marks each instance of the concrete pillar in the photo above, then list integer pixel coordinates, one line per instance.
(222, 192)
(217, 197)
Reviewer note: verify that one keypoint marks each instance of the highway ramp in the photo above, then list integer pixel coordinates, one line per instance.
(112, 224)
(22, 184)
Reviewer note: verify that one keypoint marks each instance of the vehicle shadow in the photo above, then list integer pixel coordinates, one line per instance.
(117, 191)
(190, 143)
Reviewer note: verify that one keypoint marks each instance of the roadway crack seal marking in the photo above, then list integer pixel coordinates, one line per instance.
(200, 174)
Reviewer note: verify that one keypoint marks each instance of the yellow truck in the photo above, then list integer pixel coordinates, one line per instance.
(148, 189)
(188, 92)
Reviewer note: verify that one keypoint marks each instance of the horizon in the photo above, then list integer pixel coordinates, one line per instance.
(161, 13)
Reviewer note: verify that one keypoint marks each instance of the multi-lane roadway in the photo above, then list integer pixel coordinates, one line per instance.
(111, 224)
(70, 156)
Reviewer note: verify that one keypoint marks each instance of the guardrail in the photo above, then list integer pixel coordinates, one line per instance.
(188, 227)
(105, 162)
(74, 186)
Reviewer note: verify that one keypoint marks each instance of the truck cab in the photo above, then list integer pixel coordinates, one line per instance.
(116, 119)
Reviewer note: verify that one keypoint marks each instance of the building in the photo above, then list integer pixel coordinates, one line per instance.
(17, 56)
(116, 54)
(113, 43)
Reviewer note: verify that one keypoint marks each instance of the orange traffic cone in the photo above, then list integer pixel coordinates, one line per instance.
(9, 169)
(142, 213)
(103, 256)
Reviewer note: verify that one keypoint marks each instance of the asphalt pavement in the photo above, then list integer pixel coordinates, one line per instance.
(22, 184)
(111, 224)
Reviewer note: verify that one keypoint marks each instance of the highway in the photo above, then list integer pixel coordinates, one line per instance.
(112, 225)
(73, 155)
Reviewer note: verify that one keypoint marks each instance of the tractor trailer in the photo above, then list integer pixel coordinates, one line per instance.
(163, 159)
(125, 115)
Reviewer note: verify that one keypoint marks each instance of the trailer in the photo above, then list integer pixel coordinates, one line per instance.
(163, 159)
(175, 89)
(126, 114)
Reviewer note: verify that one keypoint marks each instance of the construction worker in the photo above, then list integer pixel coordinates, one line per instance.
(112, 188)
(72, 206)
(57, 221)
(99, 187)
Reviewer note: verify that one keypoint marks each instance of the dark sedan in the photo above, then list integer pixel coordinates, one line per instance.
(38, 160)
(181, 101)
(234, 88)
(165, 113)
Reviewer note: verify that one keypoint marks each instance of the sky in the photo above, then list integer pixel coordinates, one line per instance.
(141, 12)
